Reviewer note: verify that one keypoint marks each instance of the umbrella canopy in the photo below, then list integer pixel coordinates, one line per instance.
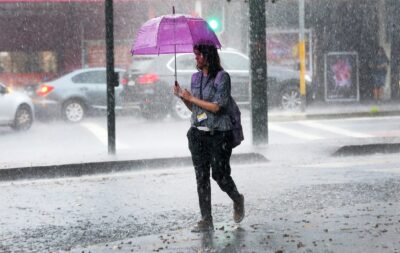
(175, 33)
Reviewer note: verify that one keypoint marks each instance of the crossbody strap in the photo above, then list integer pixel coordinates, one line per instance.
(201, 85)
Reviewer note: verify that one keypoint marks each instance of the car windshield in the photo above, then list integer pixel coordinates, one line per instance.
(90, 77)
(2, 88)
(234, 61)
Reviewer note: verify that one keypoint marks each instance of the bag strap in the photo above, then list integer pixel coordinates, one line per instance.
(201, 85)
(218, 77)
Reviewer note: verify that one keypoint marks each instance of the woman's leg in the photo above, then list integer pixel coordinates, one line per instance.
(221, 150)
(375, 93)
(376, 87)
(380, 93)
(221, 171)
(200, 158)
(382, 84)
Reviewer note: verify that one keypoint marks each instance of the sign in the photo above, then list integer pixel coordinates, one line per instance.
(64, 1)
(282, 48)
(341, 76)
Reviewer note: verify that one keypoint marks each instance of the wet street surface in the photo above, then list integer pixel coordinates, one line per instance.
(347, 204)
(55, 143)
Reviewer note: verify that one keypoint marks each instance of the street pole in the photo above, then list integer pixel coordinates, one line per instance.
(302, 56)
(258, 72)
(112, 77)
(198, 8)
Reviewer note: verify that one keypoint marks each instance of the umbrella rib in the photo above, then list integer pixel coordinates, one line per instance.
(190, 30)
(158, 32)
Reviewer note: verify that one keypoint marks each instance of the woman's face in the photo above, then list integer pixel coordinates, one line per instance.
(201, 61)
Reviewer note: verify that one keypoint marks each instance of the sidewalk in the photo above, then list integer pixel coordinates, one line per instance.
(296, 208)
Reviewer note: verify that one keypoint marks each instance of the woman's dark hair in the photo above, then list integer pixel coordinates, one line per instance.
(211, 54)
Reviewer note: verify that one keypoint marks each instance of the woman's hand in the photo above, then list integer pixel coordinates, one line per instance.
(177, 90)
(186, 95)
(183, 94)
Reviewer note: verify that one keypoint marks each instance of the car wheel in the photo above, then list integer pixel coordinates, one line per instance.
(23, 118)
(179, 109)
(290, 98)
(74, 110)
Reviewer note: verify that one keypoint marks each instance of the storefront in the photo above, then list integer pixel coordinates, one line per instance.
(42, 39)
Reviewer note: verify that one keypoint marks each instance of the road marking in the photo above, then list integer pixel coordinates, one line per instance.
(293, 133)
(350, 162)
(375, 118)
(334, 129)
(101, 134)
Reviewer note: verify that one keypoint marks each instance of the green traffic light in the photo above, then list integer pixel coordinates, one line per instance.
(213, 24)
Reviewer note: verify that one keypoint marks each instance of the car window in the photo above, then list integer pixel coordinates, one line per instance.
(3, 89)
(142, 63)
(90, 77)
(185, 62)
(232, 61)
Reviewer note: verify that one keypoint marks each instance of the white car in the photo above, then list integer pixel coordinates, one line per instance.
(16, 109)
(73, 95)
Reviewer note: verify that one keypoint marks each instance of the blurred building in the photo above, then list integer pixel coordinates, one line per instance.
(46, 38)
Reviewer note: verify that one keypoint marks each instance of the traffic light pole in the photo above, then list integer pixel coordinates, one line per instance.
(112, 78)
(302, 56)
(258, 65)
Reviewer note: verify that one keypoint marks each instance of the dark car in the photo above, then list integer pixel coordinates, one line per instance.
(75, 94)
(150, 80)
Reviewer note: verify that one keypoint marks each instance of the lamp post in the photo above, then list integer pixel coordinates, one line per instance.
(112, 77)
(258, 70)
(302, 56)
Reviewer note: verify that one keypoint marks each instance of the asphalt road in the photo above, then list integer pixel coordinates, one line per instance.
(57, 142)
(325, 204)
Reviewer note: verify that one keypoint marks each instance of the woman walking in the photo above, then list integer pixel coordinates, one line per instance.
(210, 134)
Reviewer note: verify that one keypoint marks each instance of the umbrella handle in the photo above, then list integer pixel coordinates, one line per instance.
(176, 79)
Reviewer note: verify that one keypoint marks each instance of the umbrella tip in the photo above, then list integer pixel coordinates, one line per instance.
(173, 10)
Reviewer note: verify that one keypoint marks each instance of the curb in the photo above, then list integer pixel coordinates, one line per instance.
(368, 149)
(81, 169)
(311, 116)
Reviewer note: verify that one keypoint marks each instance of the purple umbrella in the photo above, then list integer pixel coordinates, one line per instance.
(175, 33)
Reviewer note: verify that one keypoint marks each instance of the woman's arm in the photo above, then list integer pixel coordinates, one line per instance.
(209, 106)
(188, 104)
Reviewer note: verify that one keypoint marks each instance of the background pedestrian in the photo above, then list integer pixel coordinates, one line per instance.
(379, 73)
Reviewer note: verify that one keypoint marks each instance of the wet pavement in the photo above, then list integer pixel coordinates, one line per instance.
(75, 144)
(324, 204)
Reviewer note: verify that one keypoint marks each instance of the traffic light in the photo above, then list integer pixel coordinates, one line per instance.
(214, 15)
(215, 24)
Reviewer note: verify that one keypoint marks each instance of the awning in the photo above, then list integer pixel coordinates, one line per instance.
(65, 1)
